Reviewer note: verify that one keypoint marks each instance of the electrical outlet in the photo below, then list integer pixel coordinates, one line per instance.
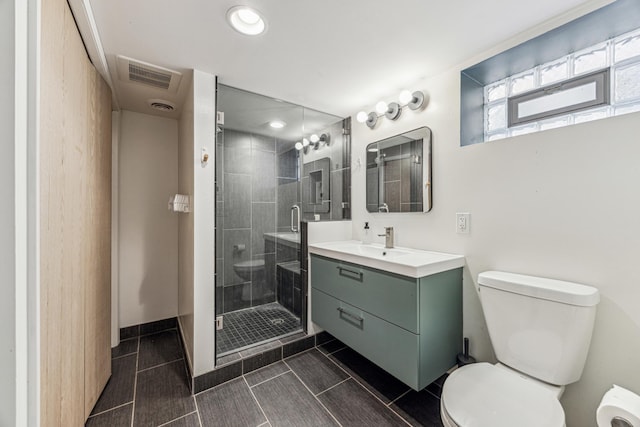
(463, 223)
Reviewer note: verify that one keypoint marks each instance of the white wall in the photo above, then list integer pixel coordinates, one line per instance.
(19, 293)
(185, 226)
(204, 113)
(561, 203)
(148, 231)
(197, 229)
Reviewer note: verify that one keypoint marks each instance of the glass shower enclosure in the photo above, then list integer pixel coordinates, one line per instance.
(260, 143)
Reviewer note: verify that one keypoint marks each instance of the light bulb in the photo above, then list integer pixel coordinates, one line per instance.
(361, 117)
(299, 146)
(248, 16)
(246, 20)
(305, 142)
(405, 97)
(381, 107)
(314, 138)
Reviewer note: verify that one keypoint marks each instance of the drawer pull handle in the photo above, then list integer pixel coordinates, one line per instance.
(351, 274)
(344, 312)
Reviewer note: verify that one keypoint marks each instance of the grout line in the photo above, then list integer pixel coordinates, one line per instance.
(298, 354)
(197, 409)
(135, 384)
(274, 377)
(431, 393)
(398, 398)
(175, 328)
(314, 396)
(399, 416)
(158, 366)
(334, 386)
(256, 400)
(176, 419)
(218, 385)
(328, 353)
(370, 392)
(111, 409)
(123, 355)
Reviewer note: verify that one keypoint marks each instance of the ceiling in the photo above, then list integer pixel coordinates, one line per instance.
(336, 56)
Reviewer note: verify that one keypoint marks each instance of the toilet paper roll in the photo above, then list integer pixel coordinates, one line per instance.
(239, 248)
(618, 406)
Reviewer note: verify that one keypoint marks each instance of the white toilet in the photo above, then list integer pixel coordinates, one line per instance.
(248, 271)
(540, 330)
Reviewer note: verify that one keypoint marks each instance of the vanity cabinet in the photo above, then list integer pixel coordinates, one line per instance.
(410, 327)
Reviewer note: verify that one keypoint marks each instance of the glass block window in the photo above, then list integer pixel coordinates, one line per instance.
(621, 56)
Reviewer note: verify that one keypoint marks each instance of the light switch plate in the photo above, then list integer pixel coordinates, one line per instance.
(463, 222)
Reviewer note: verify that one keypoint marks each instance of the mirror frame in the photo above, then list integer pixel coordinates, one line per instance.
(425, 134)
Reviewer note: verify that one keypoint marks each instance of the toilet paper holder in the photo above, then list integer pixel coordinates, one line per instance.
(619, 407)
(620, 422)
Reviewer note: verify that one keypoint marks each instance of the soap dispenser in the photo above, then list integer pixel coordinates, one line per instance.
(366, 235)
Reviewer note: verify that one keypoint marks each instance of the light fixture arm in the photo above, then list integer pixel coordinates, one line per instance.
(414, 101)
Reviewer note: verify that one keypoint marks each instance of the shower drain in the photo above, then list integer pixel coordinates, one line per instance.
(277, 321)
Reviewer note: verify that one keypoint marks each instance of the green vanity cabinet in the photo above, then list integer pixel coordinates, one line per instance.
(410, 327)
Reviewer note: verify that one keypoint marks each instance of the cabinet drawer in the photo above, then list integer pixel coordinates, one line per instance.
(392, 348)
(391, 297)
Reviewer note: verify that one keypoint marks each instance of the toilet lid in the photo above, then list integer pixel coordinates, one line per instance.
(482, 395)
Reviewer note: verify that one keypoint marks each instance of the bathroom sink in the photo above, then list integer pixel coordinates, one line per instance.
(405, 261)
(373, 251)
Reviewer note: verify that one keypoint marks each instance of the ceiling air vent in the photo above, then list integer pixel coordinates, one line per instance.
(134, 71)
(161, 104)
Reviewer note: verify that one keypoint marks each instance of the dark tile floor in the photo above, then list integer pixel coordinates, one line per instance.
(247, 327)
(328, 385)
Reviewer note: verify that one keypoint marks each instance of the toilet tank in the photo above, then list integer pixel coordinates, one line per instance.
(541, 327)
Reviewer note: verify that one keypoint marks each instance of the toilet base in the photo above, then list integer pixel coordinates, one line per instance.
(444, 416)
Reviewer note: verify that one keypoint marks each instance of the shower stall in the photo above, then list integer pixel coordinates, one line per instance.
(261, 199)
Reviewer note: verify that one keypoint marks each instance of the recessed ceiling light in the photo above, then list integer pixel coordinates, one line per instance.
(246, 20)
(277, 124)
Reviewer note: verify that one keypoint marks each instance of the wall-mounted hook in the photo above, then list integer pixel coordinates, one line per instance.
(204, 157)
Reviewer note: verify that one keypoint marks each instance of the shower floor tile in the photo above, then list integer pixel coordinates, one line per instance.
(245, 328)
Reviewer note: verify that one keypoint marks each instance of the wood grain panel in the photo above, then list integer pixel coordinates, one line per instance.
(51, 218)
(98, 292)
(75, 175)
(75, 105)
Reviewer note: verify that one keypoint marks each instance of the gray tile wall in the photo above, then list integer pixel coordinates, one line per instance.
(339, 153)
(257, 184)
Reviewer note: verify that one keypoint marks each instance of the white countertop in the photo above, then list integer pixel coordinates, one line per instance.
(404, 261)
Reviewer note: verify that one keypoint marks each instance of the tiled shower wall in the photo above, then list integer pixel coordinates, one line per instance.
(339, 153)
(257, 185)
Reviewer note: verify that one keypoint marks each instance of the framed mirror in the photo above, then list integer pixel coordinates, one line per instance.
(399, 173)
(315, 186)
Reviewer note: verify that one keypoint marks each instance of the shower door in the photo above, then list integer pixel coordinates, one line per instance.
(259, 292)
(269, 154)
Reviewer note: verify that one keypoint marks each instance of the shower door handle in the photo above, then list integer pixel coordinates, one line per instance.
(295, 226)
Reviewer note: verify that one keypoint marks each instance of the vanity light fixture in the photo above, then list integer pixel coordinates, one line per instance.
(314, 141)
(246, 20)
(413, 100)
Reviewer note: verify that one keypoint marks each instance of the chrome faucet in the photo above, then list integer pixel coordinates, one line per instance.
(388, 237)
(383, 208)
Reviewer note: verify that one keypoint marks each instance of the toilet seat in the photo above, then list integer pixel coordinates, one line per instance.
(484, 395)
(253, 263)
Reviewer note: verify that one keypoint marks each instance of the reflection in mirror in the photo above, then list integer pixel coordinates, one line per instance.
(316, 195)
(399, 173)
